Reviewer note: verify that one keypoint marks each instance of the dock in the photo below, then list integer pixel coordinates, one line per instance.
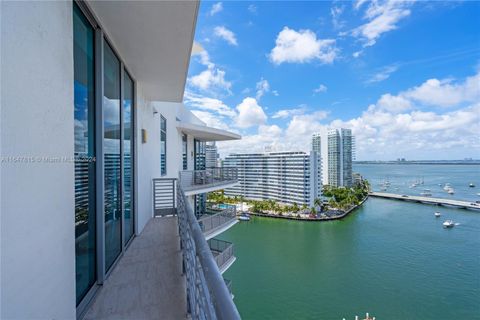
(471, 205)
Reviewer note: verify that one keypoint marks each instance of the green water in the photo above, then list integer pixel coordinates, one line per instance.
(390, 258)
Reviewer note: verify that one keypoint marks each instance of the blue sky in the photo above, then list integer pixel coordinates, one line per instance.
(404, 76)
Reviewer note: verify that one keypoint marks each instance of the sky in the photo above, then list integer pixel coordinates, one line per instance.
(403, 75)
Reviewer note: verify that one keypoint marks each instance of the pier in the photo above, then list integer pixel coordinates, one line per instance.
(428, 200)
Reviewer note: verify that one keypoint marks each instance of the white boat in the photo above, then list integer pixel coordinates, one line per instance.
(451, 191)
(244, 217)
(448, 224)
(437, 214)
(471, 185)
(447, 186)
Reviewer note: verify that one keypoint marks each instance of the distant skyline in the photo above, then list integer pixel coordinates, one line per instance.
(403, 75)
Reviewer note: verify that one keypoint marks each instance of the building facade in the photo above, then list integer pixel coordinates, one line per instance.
(340, 157)
(286, 177)
(211, 155)
(317, 149)
(105, 118)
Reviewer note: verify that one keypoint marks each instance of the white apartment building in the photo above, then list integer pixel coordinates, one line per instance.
(96, 142)
(286, 177)
(340, 157)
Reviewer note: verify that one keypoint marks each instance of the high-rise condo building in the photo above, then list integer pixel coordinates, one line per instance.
(340, 156)
(317, 149)
(211, 155)
(286, 177)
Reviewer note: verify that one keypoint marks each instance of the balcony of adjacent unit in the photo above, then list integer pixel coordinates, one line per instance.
(202, 181)
(222, 253)
(217, 219)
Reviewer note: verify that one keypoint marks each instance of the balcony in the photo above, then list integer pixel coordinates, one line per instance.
(222, 253)
(207, 294)
(214, 224)
(202, 181)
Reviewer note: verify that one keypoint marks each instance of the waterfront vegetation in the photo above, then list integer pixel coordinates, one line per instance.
(336, 202)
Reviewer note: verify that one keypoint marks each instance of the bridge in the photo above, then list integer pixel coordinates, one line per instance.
(428, 200)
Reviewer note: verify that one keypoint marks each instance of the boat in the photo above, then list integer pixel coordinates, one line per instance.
(448, 224)
(471, 185)
(447, 186)
(451, 191)
(437, 214)
(244, 217)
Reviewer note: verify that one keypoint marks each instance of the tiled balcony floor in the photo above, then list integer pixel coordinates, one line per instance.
(147, 282)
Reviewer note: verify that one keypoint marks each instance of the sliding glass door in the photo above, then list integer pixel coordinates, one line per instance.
(84, 147)
(104, 105)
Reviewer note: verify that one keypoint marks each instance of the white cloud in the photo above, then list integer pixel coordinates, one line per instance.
(250, 113)
(275, 93)
(252, 8)
(211, 119)
(394, 103)
(212, 78)
(381, 17)
(301, 47)
(287, 113)
(321, 88)
(357, 54)
(196, 101)
(216, 8)
(336, 12)
(395, 126)
(446, 93)
(262, 87)
(383, 74)
(226, 35)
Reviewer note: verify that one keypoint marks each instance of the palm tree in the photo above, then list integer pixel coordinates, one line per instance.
(313, 211)
(295, 207)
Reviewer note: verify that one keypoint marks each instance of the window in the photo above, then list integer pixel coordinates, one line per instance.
(84, 147)
(163, 146)
(185, 151)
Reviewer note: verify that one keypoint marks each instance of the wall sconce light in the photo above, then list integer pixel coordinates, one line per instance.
(144, 136)
(155, 111)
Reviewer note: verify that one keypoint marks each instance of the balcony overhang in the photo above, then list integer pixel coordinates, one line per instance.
(154, 39)
(205, 133)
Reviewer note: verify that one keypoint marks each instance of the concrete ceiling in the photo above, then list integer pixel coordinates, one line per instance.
(154, 39)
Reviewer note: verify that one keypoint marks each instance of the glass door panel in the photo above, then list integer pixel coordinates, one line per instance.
(128, 156)
(84, 148)
(112, 156)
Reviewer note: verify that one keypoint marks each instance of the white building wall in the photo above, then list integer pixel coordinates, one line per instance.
(37, 220)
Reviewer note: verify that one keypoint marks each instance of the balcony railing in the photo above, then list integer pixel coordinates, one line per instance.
(192, 180)
(208, 296)
(212, 224)
(222, 253)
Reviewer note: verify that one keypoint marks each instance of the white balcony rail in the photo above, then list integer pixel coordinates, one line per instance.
(191, 180)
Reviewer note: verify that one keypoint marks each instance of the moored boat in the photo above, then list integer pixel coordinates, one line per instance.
(471, 185)
(244, 217)
(437, 214)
